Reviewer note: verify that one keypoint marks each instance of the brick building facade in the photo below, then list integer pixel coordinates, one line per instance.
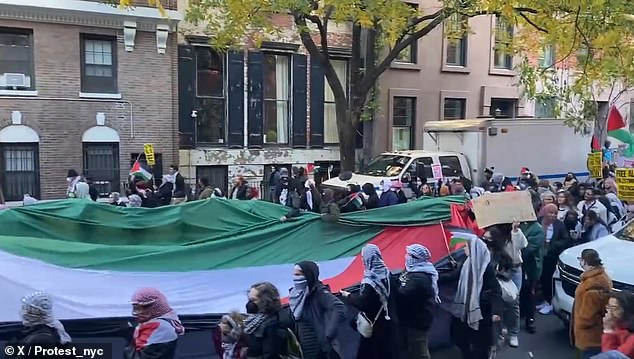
(243, 112)
(83, 86)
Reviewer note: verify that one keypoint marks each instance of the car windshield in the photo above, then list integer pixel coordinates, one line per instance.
(626, 233)
(386, 165)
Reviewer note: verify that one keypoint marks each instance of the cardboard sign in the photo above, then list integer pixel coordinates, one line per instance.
(595, 164)
(148, 148)
(436, 169)
(625, 184)
(503, 207)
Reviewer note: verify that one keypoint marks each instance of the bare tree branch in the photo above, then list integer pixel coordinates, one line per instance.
(532, 23)
(371, 77)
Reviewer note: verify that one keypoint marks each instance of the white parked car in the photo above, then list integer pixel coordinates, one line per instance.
(616, 252)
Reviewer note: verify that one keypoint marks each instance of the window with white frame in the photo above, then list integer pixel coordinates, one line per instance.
(330, 114)
(98, 64)
(276, 98)
(403, 120)
(16, 59)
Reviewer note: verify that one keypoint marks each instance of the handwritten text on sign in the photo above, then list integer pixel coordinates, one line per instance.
(595, 164)
(503, 207)
(625, 183)
(148, 148)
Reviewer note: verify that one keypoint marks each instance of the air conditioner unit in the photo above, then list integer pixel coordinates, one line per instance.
(15, 80)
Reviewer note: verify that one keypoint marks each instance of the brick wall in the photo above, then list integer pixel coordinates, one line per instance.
(146, 81)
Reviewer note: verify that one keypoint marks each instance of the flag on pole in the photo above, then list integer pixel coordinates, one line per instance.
(594, 144)
(138, 171)
(618, 130)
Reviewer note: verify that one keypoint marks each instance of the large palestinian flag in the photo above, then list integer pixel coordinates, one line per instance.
(203, 255)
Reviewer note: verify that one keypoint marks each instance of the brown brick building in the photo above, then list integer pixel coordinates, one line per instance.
(83, 85)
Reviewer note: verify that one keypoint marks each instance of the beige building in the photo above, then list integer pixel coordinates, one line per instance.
(443, 79)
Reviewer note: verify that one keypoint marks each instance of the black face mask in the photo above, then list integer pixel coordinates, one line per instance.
(252, 308)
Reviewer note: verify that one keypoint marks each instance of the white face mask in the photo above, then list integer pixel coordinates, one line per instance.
(69, 179)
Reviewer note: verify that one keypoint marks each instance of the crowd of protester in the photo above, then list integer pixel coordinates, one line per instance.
(506, 270)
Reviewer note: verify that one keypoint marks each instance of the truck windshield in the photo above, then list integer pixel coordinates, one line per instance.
(386, 165)
(626, 233)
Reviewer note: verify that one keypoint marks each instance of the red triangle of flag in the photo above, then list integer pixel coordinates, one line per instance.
(615, 120)
(594, 145)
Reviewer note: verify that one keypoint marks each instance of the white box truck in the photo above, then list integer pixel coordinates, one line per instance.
(547, 147)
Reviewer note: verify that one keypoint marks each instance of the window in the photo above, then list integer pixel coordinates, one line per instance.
(20, 170)
(545, 107)
(454, 108)
(455, 31)
(16, 59)
(218, 176)
(421, 167)
(409, 54)
(403, 118)
(451, 166)
(210, 92)
(386, 165)
(276, 98)
(582, 55)
(547, 57)
(101, 166)
(503, 59)
(330, 114)
(502, 107)
(98, 64)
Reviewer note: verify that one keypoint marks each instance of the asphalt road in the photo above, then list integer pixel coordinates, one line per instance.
(550, 342)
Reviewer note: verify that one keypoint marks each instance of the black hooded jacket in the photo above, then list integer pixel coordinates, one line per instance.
(322, 315)
(373, 198)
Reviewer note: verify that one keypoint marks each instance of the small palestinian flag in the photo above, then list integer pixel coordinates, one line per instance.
(458, 236)
(138, 171)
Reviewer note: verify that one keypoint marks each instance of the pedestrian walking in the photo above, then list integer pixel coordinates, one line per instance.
(373, 301)
(158, 326)
(39, 325)
(477, 303)
(319, 315)
(416, 294)
(265, 326)
(591, 298)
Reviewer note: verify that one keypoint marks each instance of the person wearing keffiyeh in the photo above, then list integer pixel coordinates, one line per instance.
(229, 338)
(40, 326)
(158, 326)
(416, 293)
(372, 298)
(477, 303)
(265, 327)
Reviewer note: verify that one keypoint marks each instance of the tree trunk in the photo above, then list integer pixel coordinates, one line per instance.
(346, 131)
